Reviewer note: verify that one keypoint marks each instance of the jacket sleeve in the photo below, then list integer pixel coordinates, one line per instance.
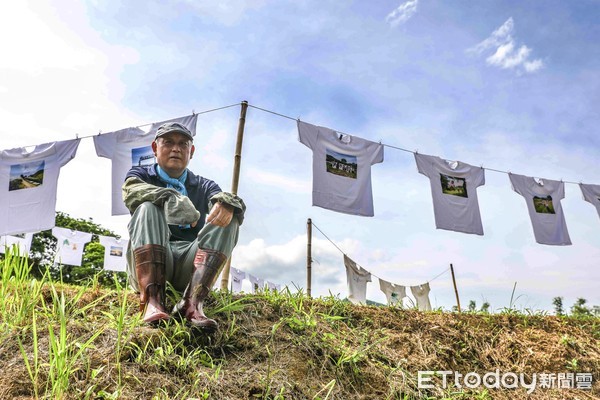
(239, 207)
(179, 209)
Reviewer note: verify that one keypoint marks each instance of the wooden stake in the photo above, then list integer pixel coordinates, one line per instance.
(237, 161)
(308, 257)
(455, 290)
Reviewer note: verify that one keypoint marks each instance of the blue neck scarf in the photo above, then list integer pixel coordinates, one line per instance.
(177, 184)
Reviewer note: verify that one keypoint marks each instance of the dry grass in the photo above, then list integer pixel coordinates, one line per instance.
(284, 346)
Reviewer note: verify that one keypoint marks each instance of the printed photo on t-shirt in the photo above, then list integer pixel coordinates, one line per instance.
(26, 175)
(453, 185)
(141, 156)
(543, 205)
(341, 164)
(116, 251)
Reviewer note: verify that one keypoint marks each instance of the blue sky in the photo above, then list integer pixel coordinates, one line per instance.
(509, 85)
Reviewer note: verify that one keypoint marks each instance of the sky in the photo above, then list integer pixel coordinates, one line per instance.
(507, 85)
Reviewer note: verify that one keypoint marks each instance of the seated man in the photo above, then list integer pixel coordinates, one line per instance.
(182, 229)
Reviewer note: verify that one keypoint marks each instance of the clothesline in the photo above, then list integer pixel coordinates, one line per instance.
(394, 147)
(341, 251)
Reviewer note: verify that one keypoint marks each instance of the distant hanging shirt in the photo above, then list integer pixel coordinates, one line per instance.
(114, 253)
(257, 283)
(394, 293)
(21, 241)
(237, 277)
(591, 194)
(69, 245)
(341, 169)
(357, 278)
(543, 203)
(128, 148)
(421, 293)
(28, 182)
(453, 188)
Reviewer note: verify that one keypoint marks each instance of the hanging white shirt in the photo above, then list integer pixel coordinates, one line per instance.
(237, 277)
(341, 169)
(421, 293)
(28, 182)
(22, 241)
(357, 278)
(453, 188)
(394, 293)
(257, 283)
(114, 253)
(273, 286)
(69, 245)
(591, 194)
(542, 197)
(128, 148)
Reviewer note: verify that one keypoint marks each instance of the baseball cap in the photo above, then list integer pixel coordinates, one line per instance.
(171, 127)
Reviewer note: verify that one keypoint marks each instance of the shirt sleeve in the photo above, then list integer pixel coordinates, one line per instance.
(105, 144)
(308, 134)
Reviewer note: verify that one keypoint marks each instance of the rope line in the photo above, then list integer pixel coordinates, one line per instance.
(393, 147)
(341, 251)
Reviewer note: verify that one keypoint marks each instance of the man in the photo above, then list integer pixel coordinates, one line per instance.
(182, 229)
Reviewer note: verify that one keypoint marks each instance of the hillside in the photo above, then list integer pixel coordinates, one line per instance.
(87, 342)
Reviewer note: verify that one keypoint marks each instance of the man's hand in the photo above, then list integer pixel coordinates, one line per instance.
(220, 214)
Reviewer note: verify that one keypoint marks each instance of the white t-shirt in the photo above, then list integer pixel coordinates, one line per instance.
(69, 245)
(394, 293)
(543, 203)
(453, 188)
(28, 182)
(273, 286)
(22, 241)
(421, 293)
(128, 148)
(114, 253)
(257, 283)
(341, 169)
(357, 278)
(591, 194)
(237, 277)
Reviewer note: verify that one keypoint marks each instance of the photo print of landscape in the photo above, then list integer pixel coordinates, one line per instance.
(453, 185)
(341, 164)
(543, 205)
(141, 156)
(26, 175)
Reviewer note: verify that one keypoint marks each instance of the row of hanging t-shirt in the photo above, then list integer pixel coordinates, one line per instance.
(357, 278)
(341, 181)
(69, 247)
(238, 276)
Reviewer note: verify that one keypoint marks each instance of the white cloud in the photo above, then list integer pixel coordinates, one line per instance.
(506, 56)
(403, 13)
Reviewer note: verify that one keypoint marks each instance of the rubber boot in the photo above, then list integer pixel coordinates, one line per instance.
(207, 267)
(150, 262)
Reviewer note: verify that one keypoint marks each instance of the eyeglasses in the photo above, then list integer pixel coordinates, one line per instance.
(169, 144)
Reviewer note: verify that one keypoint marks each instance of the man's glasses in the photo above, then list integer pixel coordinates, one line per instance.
(169, 144)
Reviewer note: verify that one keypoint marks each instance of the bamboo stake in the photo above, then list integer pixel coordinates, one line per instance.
(308, 257)
(455, 289)
(237, 161)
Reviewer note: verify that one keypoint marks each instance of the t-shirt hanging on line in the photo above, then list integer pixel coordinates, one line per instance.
(28, 183)
(114, 253)
(453, 188)
(542, 197)
(341, 169)
(591, 194)
(421, 293)
(394, 293)
(257, 283)
(22, 241)
(69, 245)
(128, 148)
(237, 277)
(357, 278)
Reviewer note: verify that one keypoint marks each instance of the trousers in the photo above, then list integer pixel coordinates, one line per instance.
(148, 225)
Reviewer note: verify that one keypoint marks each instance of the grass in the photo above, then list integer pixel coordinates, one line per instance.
(82, 342)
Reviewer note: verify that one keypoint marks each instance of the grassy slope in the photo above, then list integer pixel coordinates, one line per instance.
(270, 345)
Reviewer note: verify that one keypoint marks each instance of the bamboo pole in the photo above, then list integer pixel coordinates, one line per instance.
(455, 289)
(308, 257)
(237, 161)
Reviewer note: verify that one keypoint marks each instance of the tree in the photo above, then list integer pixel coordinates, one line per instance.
(43, 249)
(558, 306)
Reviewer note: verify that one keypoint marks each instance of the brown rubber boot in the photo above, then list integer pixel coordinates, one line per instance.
(150, 261)
(207, 266)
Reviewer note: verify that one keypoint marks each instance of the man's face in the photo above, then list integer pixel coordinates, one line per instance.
(173, 153)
